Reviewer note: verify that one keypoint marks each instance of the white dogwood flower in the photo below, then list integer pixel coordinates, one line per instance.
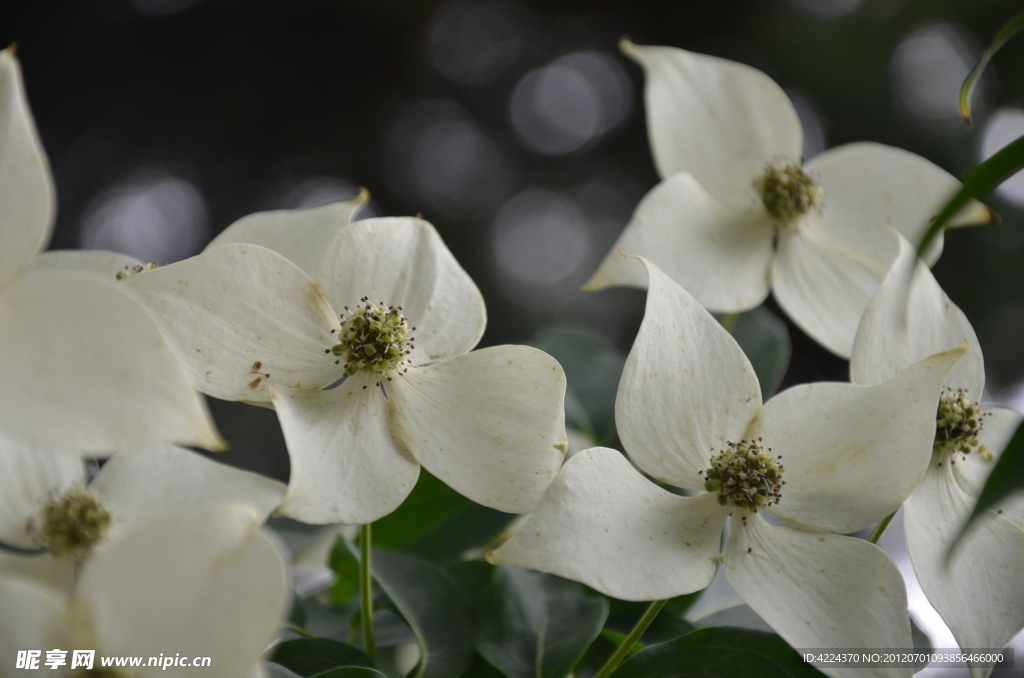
(737, 215)
(207, 582)
(978, 592)
(390, 312)
(82, 365)
(823, 457)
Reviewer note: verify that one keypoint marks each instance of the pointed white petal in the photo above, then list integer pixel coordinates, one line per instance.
(979, 592)
(852, 454)
(27, 199)
(402, 261)
(720, 255)
(604, 524)
(719, 120)
(868, 184)
(30, 479)
(489, 423)
(105, 265)
(824, 285)
(348, 463)
(84, 367)
(237, 305)
(820, 590)
(33, 619)
(205, 583)
(142, 485)
(297, 235)
(908, 319)
(687, 388)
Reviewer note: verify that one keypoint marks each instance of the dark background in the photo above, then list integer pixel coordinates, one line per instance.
(166, 120)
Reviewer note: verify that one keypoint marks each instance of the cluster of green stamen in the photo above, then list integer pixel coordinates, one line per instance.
(138, 268)
(74, 522)
(374, 338)
(746, 475)
(958, 423)
(788, 192)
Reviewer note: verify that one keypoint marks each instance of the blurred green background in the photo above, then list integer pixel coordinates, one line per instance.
(515, 127)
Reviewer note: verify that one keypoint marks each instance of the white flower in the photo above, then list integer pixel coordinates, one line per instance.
(979, 592)
(736, 215)
(253, 326)
(82, 365)
(689, 413)
(206, 582)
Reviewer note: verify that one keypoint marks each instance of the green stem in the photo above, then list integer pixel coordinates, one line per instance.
(623, 650)
(729, 322)
(366, 592)
(880, 528)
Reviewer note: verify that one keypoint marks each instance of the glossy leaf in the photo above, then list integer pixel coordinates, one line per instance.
(765, 340)
(1010, 29)
(312, 656)
(435, 609)
(536, 625)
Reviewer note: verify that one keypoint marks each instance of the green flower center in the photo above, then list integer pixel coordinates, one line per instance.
(958, 423)
(138, 268)
(788, 192)
(73, 523)
(746, 475)
(374, 338)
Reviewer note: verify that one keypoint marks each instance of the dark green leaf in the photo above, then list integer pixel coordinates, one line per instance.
(668, 625)
(1005, 479)
(297, 617)
(1011, 28)
(720, 652)
(473, 577)
(765, 340)
(310, 656)
(346, 567)
(435, 609)
(351, 672)
(537, 625)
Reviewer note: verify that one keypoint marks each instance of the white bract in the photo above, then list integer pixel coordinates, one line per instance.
(389, 311)
(978, 592)
(823, 457)
(736, 215)
(82, 365)
(205, 582)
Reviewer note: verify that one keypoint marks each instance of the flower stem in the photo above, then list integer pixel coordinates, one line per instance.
(880, 528)
(623, 650)
(729, 322)
(366, 592)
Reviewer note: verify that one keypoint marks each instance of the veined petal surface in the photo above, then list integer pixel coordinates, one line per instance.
(402, 261)
(30, 479)
(719, 120)
(721, 255)
(687, 389)
(490, 423)
(605, 525)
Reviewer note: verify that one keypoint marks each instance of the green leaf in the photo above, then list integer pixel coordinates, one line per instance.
(537, 625)
(1005, 479)
(435, 609)
(978, 183)
(346, 567)
(1011, 28)
(668, 625)
(765, 340)
(351, 672)
(720, 652)
(312, 656)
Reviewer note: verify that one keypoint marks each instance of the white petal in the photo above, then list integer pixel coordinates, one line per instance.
(719, 120)
(908, 319)
(32, 619)
(297, 235)
(84, 367)
(820, 590)
(867, 185)
(720, 255)
(237, 305)
(30, 479)
(852, 454)
(207, 583)
(998, 426)
(403, 262)
(348, 463)
(54, 573)
(27, 200)
(979, 592)
(604, 524)
(146, 484)
(105, 265)
(687, 389)
(490, 423)
(824, 285)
